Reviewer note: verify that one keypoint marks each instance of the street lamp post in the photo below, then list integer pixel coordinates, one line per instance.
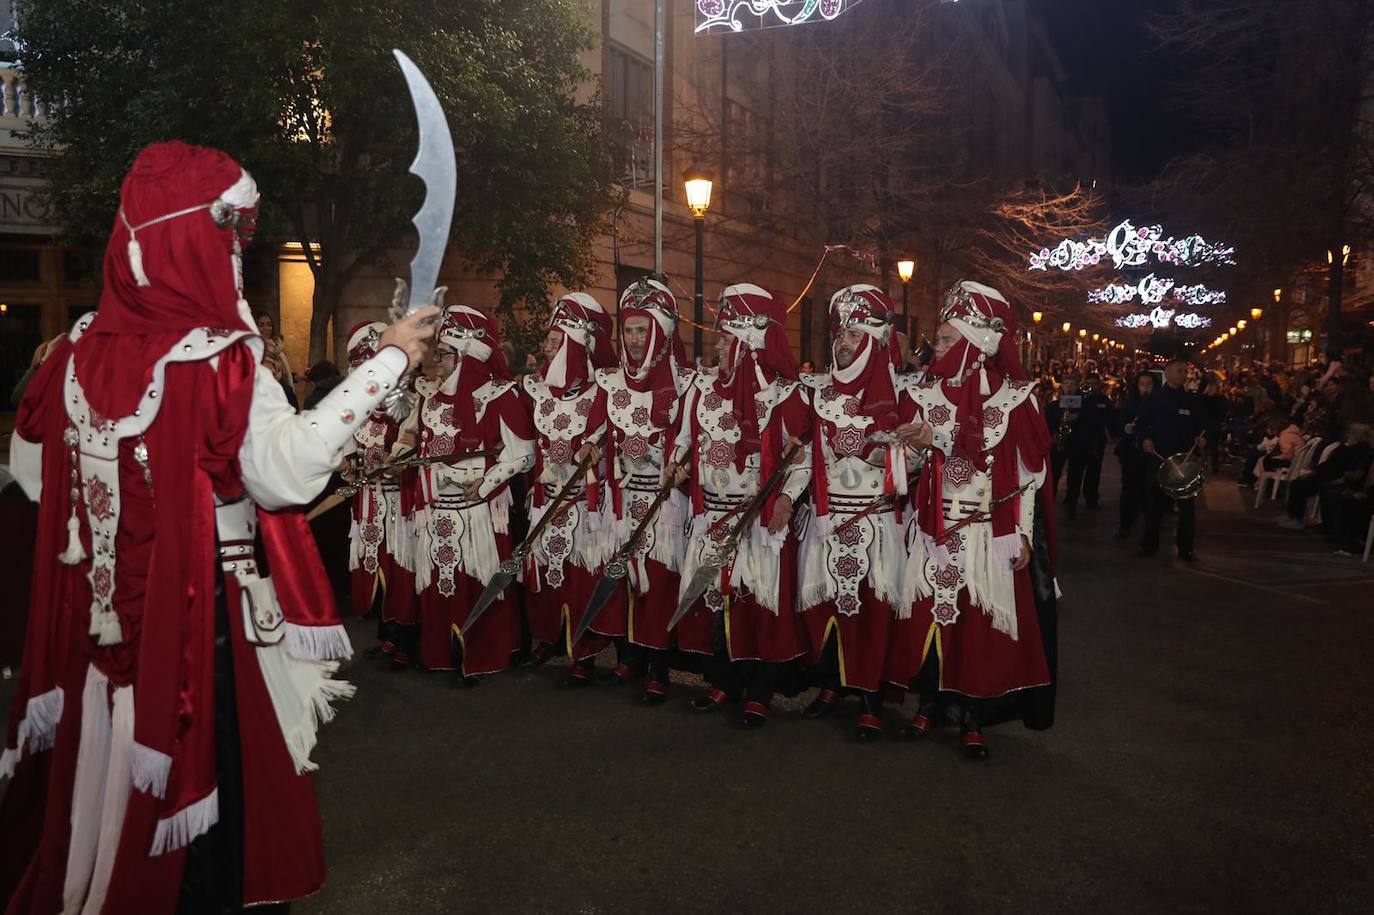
(697, 181)
(906, 269)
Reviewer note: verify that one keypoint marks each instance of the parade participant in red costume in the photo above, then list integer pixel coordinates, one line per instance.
(464, 518)
(736, 426)
(852, 550)
(973, 633)
(570, 419)
(381, 549)
(169, 694)
(643, 397)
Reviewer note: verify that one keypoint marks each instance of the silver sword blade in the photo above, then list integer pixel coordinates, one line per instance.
(499, 582)
(701, 580)
(605, 590)
(436, 165)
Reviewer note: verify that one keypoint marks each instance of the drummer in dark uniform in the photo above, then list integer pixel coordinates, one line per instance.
(1171, 421)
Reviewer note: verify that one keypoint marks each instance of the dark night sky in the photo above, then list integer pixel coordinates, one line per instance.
(1107, 51)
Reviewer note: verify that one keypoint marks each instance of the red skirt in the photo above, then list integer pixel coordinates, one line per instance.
(862, 638)
(396, 585)
(555, 613)
(649, 614)
(975, 659)
(488, 647)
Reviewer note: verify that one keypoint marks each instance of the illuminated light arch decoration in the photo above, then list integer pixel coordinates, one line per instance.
(1152, 290)
(1127, 245)
(1160, 318)
(749, 15)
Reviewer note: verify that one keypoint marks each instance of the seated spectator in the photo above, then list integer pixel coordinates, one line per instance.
(1346, 509)
(1274, 452)
(1343, 464)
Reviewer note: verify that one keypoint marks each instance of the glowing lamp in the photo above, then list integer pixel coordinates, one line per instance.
(1257, 312)
(1082, 332)
(698, 181)
(1036, 316)
(905, 269)
(1278, 294)
(1241, 324)
(1067, 327)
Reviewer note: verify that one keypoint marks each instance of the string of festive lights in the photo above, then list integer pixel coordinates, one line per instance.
(1161, 317)
(743, 15)
(1130, 246)
(1152, 290)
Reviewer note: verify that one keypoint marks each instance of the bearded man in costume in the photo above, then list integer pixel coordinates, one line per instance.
(852, 550)
(170, 693)
(569, 414)
(971, 629)
(737, 426)
(643, 397)
(381, 554)
(473, 409)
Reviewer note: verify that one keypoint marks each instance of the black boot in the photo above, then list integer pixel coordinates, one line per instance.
(923, 722)
(714, 699)
(971, 736)
(581, 674)
(871, 721)
(755, 716)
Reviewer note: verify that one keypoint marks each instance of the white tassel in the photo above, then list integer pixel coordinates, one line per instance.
(983, 387)
(136, 262)
(105, 627)
(74, 554)
(318, 643)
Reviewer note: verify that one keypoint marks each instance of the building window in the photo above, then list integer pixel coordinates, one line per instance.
(630, 94)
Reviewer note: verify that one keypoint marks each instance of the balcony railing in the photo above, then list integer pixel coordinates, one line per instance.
(17, 103)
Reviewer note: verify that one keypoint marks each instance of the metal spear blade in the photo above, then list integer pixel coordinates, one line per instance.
(610, 582)
(499, 582)
(707, 573)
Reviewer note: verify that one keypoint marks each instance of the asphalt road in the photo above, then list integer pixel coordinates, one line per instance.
(1209, 755)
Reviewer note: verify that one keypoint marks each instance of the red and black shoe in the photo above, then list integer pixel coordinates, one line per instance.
(580, 675)
(713, 700)
(381, 650)
(400, 660)
(755, 716)
(654, 693)
(870, 728)
(620, 676)
(972, 742)
(919, 727)
(822, 705)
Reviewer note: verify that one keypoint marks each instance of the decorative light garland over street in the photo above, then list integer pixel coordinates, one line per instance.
(1130, 246)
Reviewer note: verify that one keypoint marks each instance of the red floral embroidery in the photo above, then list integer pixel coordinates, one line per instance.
(959, 471)
(829, 393)
(727, 422)
(448, 417)
(636, 448)
(446, 555)
(558, 545)
(847, 567)
(851, 535)
(938, 415)
(558, 453)
(720, 454)
(562, 421)
(945, 613)
(102, 582)
(99, 499)
(638, 509)
(760, 408)
(947, 576)
(847, 442)
(846, 603)
(584, 407)
(546, 407)
(640, 417)
(853, 407)
(372, 457)
(442, 444)
(444, 526)
(620, 399)
(712, 401)
(372, 533)
(992, 416)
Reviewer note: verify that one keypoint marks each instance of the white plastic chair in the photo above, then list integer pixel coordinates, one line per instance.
(1276, 477)
(1368, 541)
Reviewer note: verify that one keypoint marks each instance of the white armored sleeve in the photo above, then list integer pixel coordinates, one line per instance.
(798, 477)
(682, 445)
(287, 457)
(517, 456)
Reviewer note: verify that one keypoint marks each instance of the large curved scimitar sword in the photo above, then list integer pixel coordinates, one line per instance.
(437, 167)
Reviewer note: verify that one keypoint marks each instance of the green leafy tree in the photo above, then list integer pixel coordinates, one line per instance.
(309, 99)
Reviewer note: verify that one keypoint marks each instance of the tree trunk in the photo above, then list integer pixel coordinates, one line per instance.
(324, 303)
